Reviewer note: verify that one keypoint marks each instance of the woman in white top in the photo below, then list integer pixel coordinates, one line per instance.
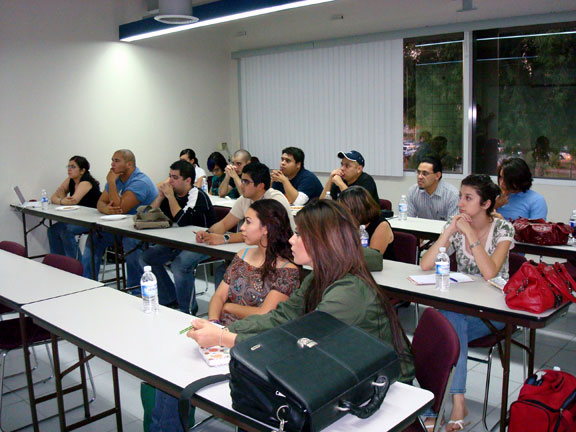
(189, 155)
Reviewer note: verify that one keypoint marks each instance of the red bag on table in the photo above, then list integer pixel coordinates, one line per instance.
(538, 287)
(547, 403)
(540, 232)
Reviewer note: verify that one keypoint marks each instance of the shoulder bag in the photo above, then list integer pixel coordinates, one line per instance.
(147, 217)
(538, 231)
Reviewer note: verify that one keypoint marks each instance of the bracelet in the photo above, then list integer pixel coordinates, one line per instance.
(221, 333)
(473, 245)
(216, 321)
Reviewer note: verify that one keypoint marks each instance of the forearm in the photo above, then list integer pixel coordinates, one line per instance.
(326, 189)
(429, 258)
(290, 192)
(113, 194)
(243, 311)
(224, 188)
(174, 206)
(215, 307)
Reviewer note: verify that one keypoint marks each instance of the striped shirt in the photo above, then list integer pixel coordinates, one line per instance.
(441, 205)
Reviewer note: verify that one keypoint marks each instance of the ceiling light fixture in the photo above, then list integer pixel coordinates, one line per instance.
(175, 12)
(209, 14)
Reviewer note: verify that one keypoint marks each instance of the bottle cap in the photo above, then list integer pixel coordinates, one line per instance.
(362, 227)
(442, 249)
(556, 368)
(147, 268)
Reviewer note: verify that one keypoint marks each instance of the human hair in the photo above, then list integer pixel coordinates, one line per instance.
(191, 154)
(516, 174)
(330, 235)
(186, 170)
(274, 217)
(435, 162)
(244, 154)
(485, 187)
(360, 203)
(216, 159)
(83, 163)
(296, 153)
(127, 155)
(259, 173)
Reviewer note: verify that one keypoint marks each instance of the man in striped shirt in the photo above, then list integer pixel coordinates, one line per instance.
(432, 198)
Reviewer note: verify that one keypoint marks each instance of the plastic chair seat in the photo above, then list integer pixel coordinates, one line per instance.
(10, 337)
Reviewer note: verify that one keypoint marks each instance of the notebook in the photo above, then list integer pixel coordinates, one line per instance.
(23, 201)
(430, 279)
(215, 355)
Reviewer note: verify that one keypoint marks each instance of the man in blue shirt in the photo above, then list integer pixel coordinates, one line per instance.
(126, 189)
(297, 183)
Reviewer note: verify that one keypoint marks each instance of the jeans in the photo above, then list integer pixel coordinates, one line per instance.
(101, 242)
(184, 264)
(468, 328)
(62, 239)
(165, 414)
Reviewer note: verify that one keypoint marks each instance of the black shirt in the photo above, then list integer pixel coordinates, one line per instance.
(389, 252)
(92, 196)
(198, 213)
(365, 180)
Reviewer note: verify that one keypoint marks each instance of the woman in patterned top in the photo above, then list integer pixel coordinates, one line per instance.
(481, 243)
(259, 278)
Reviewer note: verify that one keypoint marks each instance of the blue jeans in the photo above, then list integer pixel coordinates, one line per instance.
(468, 328)
(184, 264)
(62, 239)
(165, 414)
(101, 242)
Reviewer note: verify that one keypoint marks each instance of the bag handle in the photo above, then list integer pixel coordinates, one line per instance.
(381, 386)
(190, 390)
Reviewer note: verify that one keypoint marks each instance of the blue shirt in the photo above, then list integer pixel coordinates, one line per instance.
(305, 181)
(140, 185)
(527, 204)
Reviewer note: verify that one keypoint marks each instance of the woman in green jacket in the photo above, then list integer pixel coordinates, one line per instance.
(340, 284)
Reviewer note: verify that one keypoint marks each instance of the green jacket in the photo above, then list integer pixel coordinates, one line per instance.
(349, 299)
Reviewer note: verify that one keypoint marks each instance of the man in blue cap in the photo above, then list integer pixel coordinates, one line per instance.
(350, 173)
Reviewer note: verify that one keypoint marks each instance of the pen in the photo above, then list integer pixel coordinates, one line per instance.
(453, 280)
(186, 329)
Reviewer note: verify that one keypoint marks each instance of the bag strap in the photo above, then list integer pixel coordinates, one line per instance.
(381, 386)
(190, 390)
(568, 289)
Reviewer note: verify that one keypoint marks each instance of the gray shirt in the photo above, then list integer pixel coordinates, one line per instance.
(441, 205)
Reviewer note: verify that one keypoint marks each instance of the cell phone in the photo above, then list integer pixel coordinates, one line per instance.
(498, 282)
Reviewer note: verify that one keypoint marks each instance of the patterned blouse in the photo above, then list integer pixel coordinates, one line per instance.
(247, 289)
(501, 230)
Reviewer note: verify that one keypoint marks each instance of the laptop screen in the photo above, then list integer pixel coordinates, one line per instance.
(19, 194)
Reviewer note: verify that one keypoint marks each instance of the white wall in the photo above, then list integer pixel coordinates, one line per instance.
(67, 86)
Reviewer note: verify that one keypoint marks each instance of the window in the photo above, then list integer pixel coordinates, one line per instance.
(525, 98)
(433, 101)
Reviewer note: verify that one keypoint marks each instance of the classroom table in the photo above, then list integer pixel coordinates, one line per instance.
(477, 298)
(151, 348)
(24, 281)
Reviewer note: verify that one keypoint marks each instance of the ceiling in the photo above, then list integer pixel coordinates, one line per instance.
(342, 18)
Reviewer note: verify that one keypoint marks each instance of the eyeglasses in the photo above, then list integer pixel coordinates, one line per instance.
(246, 182)
(422, 173)
(71, 166)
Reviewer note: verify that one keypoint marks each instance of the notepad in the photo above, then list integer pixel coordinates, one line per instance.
(216, 355)
(430, 279)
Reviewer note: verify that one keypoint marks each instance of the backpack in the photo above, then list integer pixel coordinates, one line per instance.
(547, 403)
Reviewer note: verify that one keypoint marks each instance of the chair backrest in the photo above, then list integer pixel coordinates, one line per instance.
(385, 204)
(405, 247)
(436, 349)
(221, 212)
(13, 247)
(65, 263)
(515, 261)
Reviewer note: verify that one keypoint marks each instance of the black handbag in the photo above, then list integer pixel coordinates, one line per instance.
(306, 374)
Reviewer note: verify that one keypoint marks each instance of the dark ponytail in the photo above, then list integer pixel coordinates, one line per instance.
(486, 188)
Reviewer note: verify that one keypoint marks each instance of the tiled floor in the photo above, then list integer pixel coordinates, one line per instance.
(556, 346)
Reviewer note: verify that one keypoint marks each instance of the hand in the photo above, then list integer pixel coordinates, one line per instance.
(336, 172)
(213, 239)
(337, 180)
(112, 209)
(68, 201)
(205, 333)
(501, 200)
(463, 223)
(200, 236)
(111, 177)
(278, 176)
(166, 190)
(230, 170)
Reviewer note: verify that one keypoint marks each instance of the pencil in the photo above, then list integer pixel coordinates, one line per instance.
(186, 329)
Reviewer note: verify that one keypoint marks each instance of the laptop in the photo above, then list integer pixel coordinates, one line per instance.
(23, 201)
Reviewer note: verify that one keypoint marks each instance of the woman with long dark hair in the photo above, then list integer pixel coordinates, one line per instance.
(481, 243)
(340, 284)
(216, 164)
(258, 278)
(79, 188)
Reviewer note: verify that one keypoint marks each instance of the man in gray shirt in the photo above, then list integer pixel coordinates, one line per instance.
(432, 198)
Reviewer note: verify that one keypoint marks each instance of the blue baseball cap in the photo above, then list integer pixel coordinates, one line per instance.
(352, 155)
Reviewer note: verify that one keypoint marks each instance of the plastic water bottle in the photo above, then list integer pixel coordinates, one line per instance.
(573, 219)
(149, 288)
(44, 200)
(442, 271)
(403, 208)
(364, 237)
(205, 185)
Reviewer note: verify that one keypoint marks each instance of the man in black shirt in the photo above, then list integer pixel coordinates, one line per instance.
(185, 205)
(350, 173)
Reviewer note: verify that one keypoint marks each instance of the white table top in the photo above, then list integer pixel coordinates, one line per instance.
(222, 202)
(110, 321)
(418, 225)
(26, 281)
(478, 293)
(81, 215)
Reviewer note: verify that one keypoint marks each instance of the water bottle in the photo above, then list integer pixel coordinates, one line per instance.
(205, 185)
(44, 200)
(573, 219)
(149, 288)
(364, 237)
(442, 271)
(403, 208)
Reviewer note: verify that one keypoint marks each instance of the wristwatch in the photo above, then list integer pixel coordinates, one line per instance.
(226, 238)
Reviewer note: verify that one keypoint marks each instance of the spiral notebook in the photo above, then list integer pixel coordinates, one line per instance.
(430, 279)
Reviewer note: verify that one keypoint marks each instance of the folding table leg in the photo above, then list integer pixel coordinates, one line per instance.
(29, 379)
(505, 377)
(58, 382)
(117, 399)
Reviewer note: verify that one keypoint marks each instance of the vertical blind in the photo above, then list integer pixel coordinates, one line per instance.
(323, 101)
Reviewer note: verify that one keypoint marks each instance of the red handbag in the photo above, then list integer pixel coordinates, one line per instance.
(538, 231)
(538, 287)
(546, 403)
